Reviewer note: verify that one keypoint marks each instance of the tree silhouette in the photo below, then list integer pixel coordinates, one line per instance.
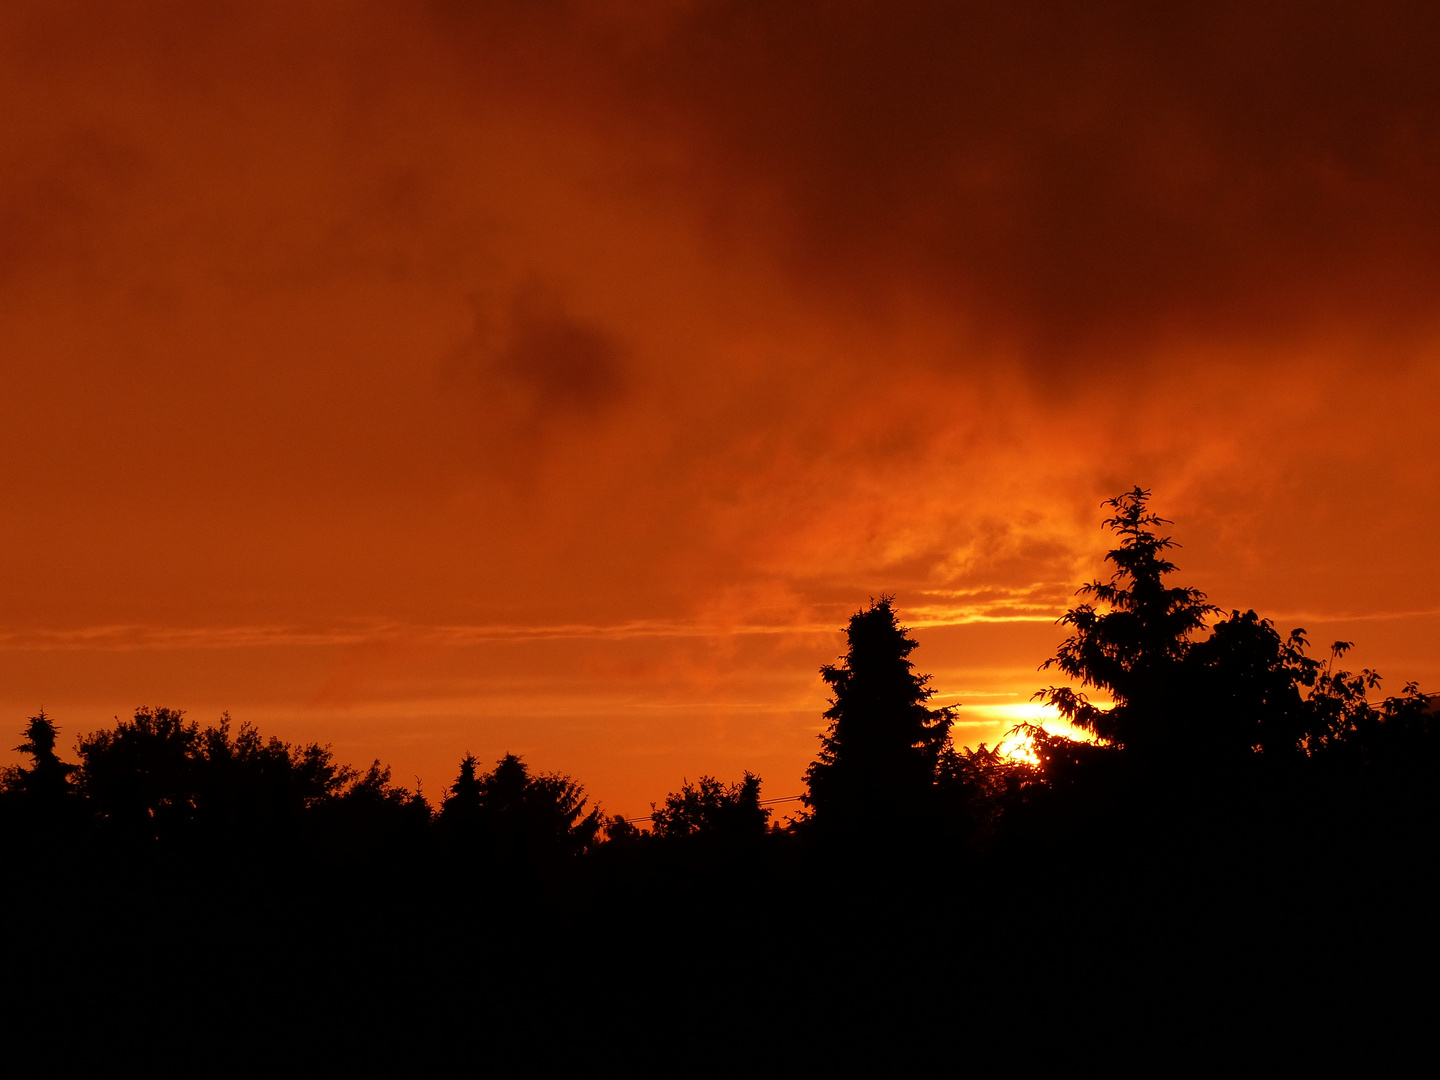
(161, 777)
(245, 784)
(46, 782)
(1248, 687)
(140, 777)
(880, 755)
(622, 833)
(460, 810)
(710, 808)
(1242, 689)
(512, 815)
(1340, 720)
(372, 814)
(1134, 650)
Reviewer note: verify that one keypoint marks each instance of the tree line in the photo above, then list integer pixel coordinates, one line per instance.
(1238, 811)
(1193, 693)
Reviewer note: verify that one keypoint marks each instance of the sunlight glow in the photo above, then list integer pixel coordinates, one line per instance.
(1016, 745)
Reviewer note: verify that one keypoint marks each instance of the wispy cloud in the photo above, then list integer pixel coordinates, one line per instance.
(935, 608)
(121, 637)
(1296, 618)
(1041, 602)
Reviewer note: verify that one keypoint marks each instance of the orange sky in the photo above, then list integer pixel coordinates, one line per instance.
(438, 377)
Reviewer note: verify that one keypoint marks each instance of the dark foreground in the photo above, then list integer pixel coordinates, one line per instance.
(1174, 924)
(1237, 871)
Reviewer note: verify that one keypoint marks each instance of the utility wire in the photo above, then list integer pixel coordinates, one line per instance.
(763, 802)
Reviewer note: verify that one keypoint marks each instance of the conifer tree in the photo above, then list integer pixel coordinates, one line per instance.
(514, 814)
(879, 758)
(47, 781)
(1134, 649)
(1201, 700)
(460, 809)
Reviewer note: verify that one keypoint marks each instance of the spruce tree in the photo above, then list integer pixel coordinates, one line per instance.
(1133, 647)
(878, 760)
(47, 782)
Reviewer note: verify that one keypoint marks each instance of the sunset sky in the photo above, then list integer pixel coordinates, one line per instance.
(426, 378)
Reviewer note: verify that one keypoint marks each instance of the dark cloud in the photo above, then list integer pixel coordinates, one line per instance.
(1073, 173)
(55, 196)
(531, 364)
(1066, 178)
(554, 359)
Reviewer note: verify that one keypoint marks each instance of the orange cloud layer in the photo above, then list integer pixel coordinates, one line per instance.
(440, 377)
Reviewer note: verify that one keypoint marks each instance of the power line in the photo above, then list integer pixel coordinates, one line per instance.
(763, 802)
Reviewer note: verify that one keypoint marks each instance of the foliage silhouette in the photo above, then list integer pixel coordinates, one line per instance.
(973, 788)
(1134, 651)
(246, 785)
(1250, 682)
(712, 809)
(1239, 796)
(619, 831)
(461, 812)
(142, 777)
(372, 812)
(514, 816)
(1242, 689)
(161, 778)
(880, 756)
(47, 782)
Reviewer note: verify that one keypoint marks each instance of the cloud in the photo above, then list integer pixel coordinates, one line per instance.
(531, 363)
(1071, 177)
(679, 329)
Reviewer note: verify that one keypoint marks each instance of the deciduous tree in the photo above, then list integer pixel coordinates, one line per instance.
(710, 808)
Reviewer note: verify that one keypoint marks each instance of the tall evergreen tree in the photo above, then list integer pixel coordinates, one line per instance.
(878, 760)
(1201, 701)
(1135, 648)
(47, 781)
